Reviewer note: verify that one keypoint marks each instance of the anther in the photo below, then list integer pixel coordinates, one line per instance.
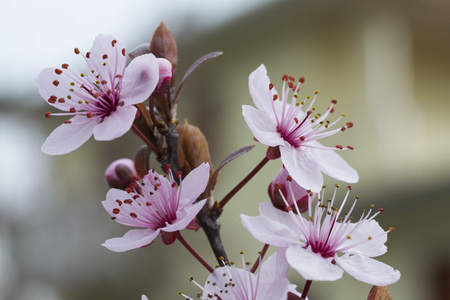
(339, 147)
(334, 101)
(113, 42)
(349, 124)
(349, 187)
(290, 84)
(55, 82)
(270, 86)
(343, 128)
(88, 55)
(61, 100)
(284, 77)
(302, 138)
(391, 229)
(52, 99)
(291, 78)
(58, 71)
(128, 201)
(336, 185)
(277, 186)
(89, 115)
(275, 97)
(105, 56)
(381, 210)
(64, 66)
(133, 215)
(119, 202)
(48, 114)
(316, 92)
(123, 52)
(302, 79)
(116, 211)
(350, 148)
(76, 50)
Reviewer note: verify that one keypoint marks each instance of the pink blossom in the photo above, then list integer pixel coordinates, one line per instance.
(99, 101)
(120, 173)
(156, 205)
(277, 123)
(231, 283)
(327, 243)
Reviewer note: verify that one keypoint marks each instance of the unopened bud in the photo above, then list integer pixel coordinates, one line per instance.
(165, 74)
(192, 148)
(119, 173)
(283, 186)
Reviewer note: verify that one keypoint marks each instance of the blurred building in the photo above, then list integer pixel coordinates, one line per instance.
(386, 62)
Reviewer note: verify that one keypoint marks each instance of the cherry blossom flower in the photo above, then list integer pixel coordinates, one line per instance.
(326, 243)
(156, 205)
(285, 126)
(100, 101)
(232, 283)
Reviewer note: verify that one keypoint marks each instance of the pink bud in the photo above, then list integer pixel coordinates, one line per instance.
(284, 184)
(119, 173)
(165, 74)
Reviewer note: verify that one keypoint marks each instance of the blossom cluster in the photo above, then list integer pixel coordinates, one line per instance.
(315, 235)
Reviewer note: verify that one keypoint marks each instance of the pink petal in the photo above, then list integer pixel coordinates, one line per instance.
(368, 270)
(144, 297)
(312, 266)
(270, 232)
(133, 239)
(110, 203)
(140, 79)
(333, 165)
(194, 184)
(303, 168)
(274, 268)
(278, 290)
(46, 88)
(115, 60)
(185, 216)
(116, 124)
(68, 137)
(262, 126)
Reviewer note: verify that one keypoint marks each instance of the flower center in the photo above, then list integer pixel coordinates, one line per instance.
(95, 95)
(298, 127)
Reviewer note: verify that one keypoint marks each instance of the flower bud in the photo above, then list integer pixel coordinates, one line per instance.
(283, 183)
(119, 173)
(192, 148)
(165, 74)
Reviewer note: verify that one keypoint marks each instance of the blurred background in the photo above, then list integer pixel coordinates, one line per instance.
(386, 62)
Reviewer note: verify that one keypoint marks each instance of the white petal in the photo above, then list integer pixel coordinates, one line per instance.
(267, 210)
(368, 270)
(69, 137)
(333, 164)
(312, 266)
(258, 85)
(116, 124)
(135, 238)
(302, 168)
(194, 184)
(262, 126)
(270, 232)
(368, 247)
(140, 79)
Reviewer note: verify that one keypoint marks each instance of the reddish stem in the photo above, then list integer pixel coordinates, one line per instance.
(195, 254)
(243, 182)
(144, 138)
(306, 289)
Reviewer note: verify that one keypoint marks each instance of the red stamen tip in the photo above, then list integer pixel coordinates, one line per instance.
(58, 71)
(339, 147)
(302, 79)
(105, 56)
(270, 86)
(334, 101)
(288, 208)
(167, 168)
(64, 66)
(88, 55)
(116, 211)
(55, 82)
(350, 147)
(381, 210)
(275, 97)
(76, 50)
(123, 52)
(113, 43)
(48, 114)
(285, 77)
(349, 187)
(349, 124)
